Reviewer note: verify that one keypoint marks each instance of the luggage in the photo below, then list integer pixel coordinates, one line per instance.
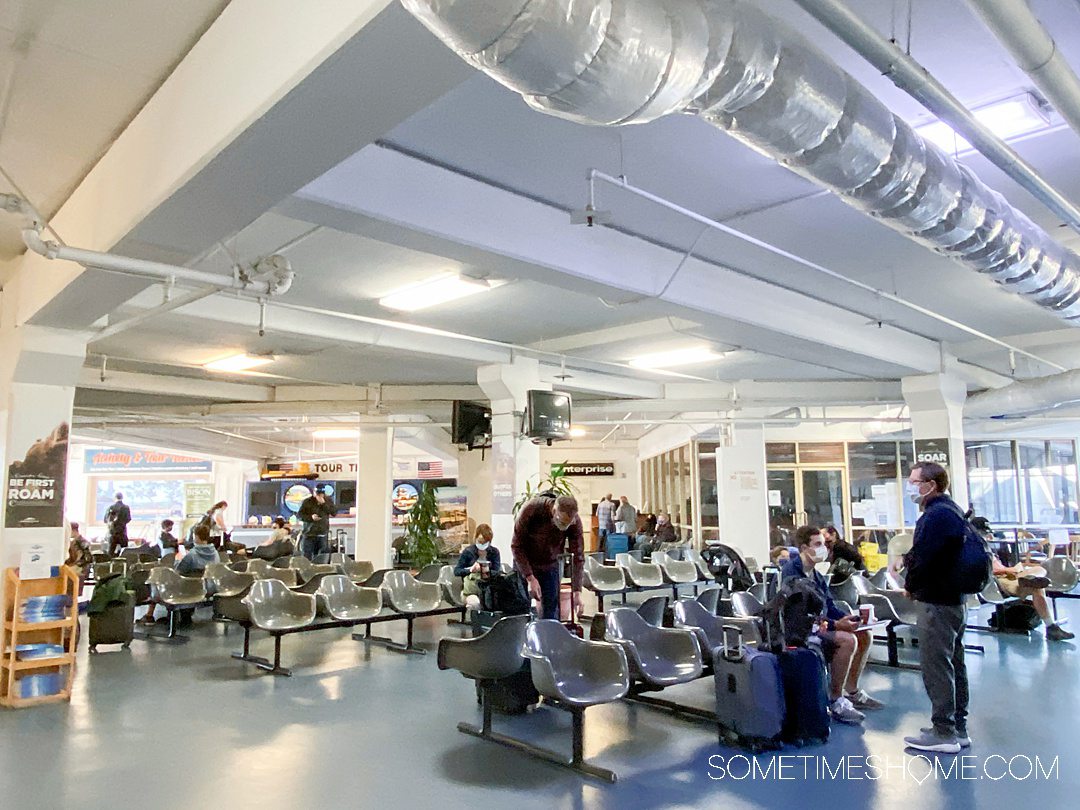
(806, 696)
(616, 544)
(790, 616)
(505, 593)
(749, 694)
(1015, 617)
(974, 568)
(512, 695)
(115, 624)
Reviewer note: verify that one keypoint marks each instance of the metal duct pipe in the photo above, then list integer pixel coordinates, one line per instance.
(613, 62)
(1022, 398)
(1019, 30)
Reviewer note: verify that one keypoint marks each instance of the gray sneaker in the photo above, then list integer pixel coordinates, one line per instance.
(862, 701)
(933, 742)
(961, 736)
(842, 711)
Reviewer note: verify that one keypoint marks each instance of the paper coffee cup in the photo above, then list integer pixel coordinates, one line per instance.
(866, 614)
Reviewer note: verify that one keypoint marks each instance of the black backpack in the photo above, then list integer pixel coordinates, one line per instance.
(1015, 617)
(790, 616)
(505, 593)
(974, 567)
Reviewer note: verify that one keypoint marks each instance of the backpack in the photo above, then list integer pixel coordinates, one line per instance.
(1015, 617)
(790, 616)
(974, 567)
(505, 593)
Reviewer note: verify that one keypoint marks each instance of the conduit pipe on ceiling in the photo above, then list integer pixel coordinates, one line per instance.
(1035, 52)
(609, 63)
(147, 315)
(1028, 397)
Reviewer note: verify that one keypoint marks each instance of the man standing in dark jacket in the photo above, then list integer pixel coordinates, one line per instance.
(932, 583)
(117, 518)
(315, 513)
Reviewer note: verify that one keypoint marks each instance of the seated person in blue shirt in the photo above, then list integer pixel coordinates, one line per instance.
(477, 561)
(844, 649)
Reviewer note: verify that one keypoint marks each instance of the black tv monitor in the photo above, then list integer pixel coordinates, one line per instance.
(547, 415)
(470, 424)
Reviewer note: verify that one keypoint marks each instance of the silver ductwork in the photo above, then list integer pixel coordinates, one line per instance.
(1025, 398)
(612, 62)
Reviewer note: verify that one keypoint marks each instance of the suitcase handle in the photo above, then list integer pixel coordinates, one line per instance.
(733, 646)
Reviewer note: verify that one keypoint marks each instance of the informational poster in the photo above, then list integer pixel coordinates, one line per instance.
(198, 498)
(503, 493)
(932, 450)
(775, 498)
(100, 460)
(35, 484)
(34, 563)
(453, 517)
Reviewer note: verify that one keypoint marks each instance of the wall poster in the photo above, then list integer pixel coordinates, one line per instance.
(35, 485)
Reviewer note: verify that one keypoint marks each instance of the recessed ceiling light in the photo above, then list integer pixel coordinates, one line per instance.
(237, 362)
(576, 432)
(438, 290)
(689, 356)
(336, 433)
(1009, 118)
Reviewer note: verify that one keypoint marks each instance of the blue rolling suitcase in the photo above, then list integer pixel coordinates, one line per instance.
(616, 544)
(749, 694)
(806, 695)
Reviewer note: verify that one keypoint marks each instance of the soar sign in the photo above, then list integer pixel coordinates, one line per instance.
(932, 450)
(585, 469)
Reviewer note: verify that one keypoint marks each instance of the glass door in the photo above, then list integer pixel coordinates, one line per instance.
(783, 506)
(823, 498)
(800, 496)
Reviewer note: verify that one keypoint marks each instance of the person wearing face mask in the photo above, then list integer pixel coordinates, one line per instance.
(477, 561)
(932, 582)
(545, 527)
(845, 647)
(665, 531)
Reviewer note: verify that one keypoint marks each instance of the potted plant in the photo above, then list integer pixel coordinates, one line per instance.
(422, 530)
(556, 482)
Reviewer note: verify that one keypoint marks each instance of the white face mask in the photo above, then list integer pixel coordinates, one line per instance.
(914, 492)
(560, 524)
(483, 546)
(820, 553)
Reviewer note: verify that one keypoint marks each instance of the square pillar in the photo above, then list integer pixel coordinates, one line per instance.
(936, 403)
(743, 492)
(374, 481)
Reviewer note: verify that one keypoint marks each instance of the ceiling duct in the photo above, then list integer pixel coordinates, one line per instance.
(612, 62)
(1025, 398)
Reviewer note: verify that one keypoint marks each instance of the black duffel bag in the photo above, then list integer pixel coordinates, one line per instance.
(1015, 617)
(505, 593)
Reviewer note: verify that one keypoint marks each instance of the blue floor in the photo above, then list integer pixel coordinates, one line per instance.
(167, 727)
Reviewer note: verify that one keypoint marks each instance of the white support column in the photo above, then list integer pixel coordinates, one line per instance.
(743, 492)
(38, 371)
(374, 480)
(936, 402)
(514, 461)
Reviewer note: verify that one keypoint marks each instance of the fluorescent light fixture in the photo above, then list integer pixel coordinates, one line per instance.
(437, 290)
(576, 432)
(335, 433)
(237, 362)
(1009, 118)
(689, 356)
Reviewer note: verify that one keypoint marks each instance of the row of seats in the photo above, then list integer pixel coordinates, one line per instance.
(630, 574)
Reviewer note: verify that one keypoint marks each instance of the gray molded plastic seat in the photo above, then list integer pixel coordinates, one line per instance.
(173, 590)
(846, 590)
(603, 578)
(376, 578)
(675, 571)
(274, 607)
(660, 656)
(709, 628)
(893, 605)
(574, 671)
(451, 586)
(844, 607)
(168, 560)
(290, 577)
(759, 590)
(107, 569)
(652, 610)
(694, 556)
(429, 573)
(303, 565)
(879, 579)
(507, 568)
(494, 655)
(223, 581)
(863, 586)
(358, 570)
(709, 599)
(639, 574)
(992, 595)
(408, 595)
(282, 562)
(339, 599)
(258, 567)
(745, 605)
(311, 585)
(1062, 574)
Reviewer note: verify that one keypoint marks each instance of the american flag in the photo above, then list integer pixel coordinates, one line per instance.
(429, 469)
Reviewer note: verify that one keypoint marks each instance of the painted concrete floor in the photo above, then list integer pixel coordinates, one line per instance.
(168, 727)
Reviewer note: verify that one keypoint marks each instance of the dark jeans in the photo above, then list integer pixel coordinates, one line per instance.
(117, 540)
(549, 592)
(944, 671)
(313, 545)
(602, 533)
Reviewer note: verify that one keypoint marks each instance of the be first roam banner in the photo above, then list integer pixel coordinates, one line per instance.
(35, 485)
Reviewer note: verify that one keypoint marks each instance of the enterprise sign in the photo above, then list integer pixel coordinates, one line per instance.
(585, 469)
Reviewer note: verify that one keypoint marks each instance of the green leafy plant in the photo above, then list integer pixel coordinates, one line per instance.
(422, 530)
(556, 481)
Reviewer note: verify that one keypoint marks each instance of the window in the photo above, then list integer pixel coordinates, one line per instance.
(1048, 481)
(992, 481)
(821, 452)
(872, 481)
(780, 453)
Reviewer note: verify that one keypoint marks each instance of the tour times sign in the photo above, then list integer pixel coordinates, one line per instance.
(585, 469)
(35, 485)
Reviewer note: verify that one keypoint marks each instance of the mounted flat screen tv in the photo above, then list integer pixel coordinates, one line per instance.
(547, 416)
(470, 424)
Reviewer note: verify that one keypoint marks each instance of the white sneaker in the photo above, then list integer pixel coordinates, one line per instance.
(842, 711)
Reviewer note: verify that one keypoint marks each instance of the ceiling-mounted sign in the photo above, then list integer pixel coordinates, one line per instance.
(585, 469)
(127, 460)
(935, 451)
(331, 468)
